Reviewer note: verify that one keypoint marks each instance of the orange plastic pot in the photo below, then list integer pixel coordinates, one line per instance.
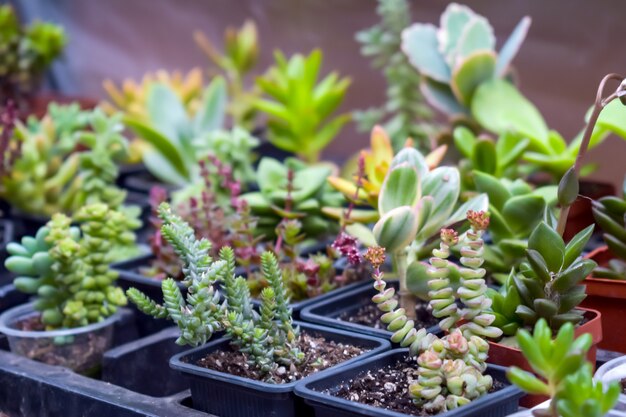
(608, 296)
(509, 356)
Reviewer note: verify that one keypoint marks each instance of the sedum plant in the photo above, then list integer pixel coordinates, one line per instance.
(269, 339)
(457, 57)
(240, 55)
(561, 372)
(451, 369)
(404, 114)
(67, 267)
(26, 52)
(293, 190)
(299, 107)
(610, 214)
(65, 160)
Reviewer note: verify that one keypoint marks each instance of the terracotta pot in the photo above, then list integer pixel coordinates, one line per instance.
(509, 356)
(580, 214)
(38, 105)
(608, 296)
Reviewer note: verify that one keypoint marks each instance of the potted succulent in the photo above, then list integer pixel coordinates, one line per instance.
(452, 372)
(561, 372)
(253, 368)
(606, 286)
(67, 268)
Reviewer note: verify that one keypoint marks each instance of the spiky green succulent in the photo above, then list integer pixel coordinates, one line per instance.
(67, 267)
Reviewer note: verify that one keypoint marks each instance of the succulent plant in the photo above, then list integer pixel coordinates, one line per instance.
(515, 210)
(610, 214)
(549, 281)
(66, 160)
(451, 368)
(26, 53)
(298, 107)
(241, 52)
(177, 140)
(131, 97)
(414, 205)
(293, 190)
(404, 114)
(454, 59)
(269, 339)
(67, 267)
(562, 373)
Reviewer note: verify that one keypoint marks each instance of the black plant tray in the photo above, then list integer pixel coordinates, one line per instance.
(233, 396)
(498, 404)
(327, 311)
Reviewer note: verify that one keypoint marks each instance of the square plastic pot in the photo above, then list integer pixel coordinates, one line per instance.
(509, 356)
(328, 310)
(233, 396)
(498, 404)
(608, 296)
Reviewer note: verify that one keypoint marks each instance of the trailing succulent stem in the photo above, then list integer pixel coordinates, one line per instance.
(442, 296)
(268, 339)
(450, 372)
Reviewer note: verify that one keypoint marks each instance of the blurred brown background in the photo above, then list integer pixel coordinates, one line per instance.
(571, 45)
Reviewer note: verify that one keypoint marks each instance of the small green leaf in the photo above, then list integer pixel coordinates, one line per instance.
(549, 244)
(396, 229)
(568, 188)
(420, 44)
(464, 140)
(523, 212)
(575, 246)
(484, 157)
(475, 70)
(441, 97)
(497, 192)
(511, 46)
(401, 188)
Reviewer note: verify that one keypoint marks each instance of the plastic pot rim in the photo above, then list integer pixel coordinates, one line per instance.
(11, 315)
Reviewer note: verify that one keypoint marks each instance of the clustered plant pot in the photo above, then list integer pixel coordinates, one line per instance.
(318, 390)
(328, 310)
(80, 349)
(233, 396)
(608, 296)
(507, 356)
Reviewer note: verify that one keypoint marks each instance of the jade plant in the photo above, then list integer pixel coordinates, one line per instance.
(240, 55)
(299, 107)
(26, 52)
(610, 214)
(404, 113)
(455, 58)
(67, 267)
(269, 339)
(414, 205)
(451, 368)
(561, 372)
(65, 160)
(293, 190)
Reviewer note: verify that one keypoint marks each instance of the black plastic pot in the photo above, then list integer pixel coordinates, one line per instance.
(7, 235)
(327, 311)
(316, 390)
(143, 182)
(143, 365)
(32, 389)
(129, 170)
(233, 396)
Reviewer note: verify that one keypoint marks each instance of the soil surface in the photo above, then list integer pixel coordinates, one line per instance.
(369, 315)
(388, 388)
(319, 354)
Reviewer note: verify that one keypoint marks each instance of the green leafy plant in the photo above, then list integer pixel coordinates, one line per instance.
(293, 190)
(26, 53)
(269, 338)
(562, 373)
(515, 210)
(66, 160)
(67, 267)
(610, 214)
(241, 52)
(457, 57)
(451, 368)
(404, 114)
(549, 281)
(414, 204)
(298, 107)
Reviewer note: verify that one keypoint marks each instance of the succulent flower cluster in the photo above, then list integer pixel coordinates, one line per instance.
(451, 368)
(67, 267)
(269, 339)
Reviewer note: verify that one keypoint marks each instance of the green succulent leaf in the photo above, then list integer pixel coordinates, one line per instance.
(574, 247)
(549, 244)
(475, 70)
(511, 46)
(484, 157)
(522, 213)
(401, 188)
(420, 44)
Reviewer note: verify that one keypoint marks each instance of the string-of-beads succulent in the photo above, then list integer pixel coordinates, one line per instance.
(450, 372)
(68, 269)
(442, 296)
(269, 340)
